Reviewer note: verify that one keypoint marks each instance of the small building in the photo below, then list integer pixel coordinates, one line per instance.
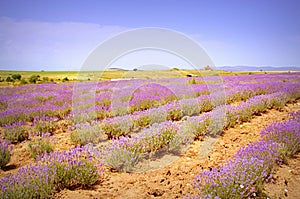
(208, 68)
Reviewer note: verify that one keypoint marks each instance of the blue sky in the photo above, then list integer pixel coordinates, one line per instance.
(60, 34)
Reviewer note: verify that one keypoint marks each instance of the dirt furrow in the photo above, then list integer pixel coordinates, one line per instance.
(175, 180)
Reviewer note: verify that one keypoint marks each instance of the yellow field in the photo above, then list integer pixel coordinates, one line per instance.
(58, 76)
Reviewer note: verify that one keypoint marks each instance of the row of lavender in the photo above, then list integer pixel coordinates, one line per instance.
(24, 103)
(125, 125)
(241, 177)
(66, 168)
(175, 111)
(79, 166)
(44, 111)
(109, 98)
(125, 152)
(244, 175)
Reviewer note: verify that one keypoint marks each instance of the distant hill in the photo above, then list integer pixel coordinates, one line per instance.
(116, 69)
(258, 68)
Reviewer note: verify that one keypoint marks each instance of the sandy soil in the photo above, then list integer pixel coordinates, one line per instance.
(172, 176)
(286, 180)
(175, 180)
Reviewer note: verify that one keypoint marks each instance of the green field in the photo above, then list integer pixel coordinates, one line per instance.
(59, 76)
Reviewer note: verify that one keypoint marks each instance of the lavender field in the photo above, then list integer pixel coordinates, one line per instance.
(113, 128)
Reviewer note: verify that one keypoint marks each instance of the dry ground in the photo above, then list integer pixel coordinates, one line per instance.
(173, 176)
(175, 180)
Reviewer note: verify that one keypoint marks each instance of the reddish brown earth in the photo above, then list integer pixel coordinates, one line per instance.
(175, 180)
(286, 180)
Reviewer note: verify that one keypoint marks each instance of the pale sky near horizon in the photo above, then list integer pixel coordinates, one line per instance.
(60, 34)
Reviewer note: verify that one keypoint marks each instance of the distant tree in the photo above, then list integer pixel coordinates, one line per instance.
(65, 79)
(45, 79)
(9, 79)
(135, 69)
(175, 69)
(34, 78)
(16, 76)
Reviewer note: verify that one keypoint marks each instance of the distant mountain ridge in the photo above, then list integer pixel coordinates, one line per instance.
(116, 69)
(258, 68)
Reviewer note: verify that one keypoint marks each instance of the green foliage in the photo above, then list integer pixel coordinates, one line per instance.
(45, 126)
(9, 79)
(85, 134)
(123, 159)
(65, 175)
(142, 121)
(192, 81)
(193, 128)
(65, 79)
(157, 115)
(73, 168)
(190, 107)
(114, 129)
(154, 143)
(34, 78)
(4, 153)
(174, 114)
(16, 134)
(45, 79)
(3, 105)
(16, 76)
(39, 145)
(101, 114)
(23, 81)
(30, 182)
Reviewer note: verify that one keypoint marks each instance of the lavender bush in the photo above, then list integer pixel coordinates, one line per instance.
(141, 120)
(4, 153)
(123, 154)
(157, 115)
(196, 127)
(40, 144)
(16, 132)
(45, 124)
(286, 133)
(87, 133)
(80, 166)
(29, 182)
(117, 127)
(190, 107)
(245, 174)
(158, 136)
(174, 112)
